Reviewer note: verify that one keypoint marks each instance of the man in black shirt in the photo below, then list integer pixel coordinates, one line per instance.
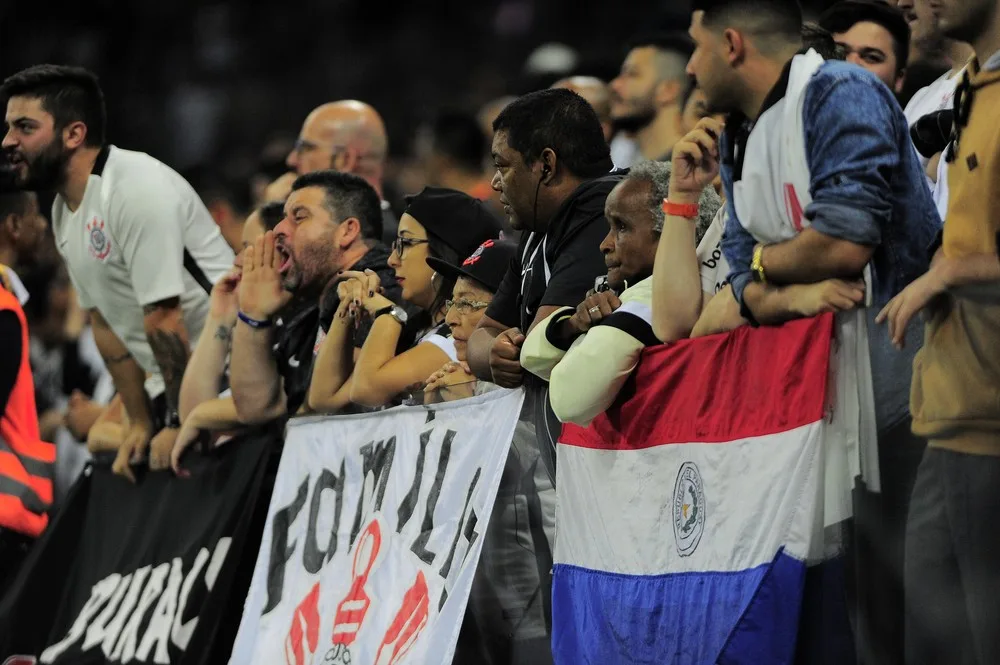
(552, 172)
(332, 223)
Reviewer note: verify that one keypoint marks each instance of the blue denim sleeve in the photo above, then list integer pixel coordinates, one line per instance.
(737, 244)
(851, 126)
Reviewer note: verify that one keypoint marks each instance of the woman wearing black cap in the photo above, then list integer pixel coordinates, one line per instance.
(476, 280)
(439, 224)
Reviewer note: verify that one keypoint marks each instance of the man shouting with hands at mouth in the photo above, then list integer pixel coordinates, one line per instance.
(332, 223)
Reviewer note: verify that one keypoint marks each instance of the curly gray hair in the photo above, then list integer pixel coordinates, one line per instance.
(658, 175)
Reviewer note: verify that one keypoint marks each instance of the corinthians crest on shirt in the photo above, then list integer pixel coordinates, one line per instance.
(99, 243)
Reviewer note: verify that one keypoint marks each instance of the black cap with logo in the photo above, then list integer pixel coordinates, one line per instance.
(487, 265)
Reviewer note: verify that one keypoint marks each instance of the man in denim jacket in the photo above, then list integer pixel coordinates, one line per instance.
(869, 207)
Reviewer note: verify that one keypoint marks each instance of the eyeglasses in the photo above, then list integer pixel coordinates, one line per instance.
(466, 306)
(302, 145)
(401, 244)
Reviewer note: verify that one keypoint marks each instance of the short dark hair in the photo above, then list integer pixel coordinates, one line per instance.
(14, 203)
(212, 186)
(846, 14)
(459, 137)
(271, 214)
(70, 94)
(347, 195)
(782, 18)
(559, 119)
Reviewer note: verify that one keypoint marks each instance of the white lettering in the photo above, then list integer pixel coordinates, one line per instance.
(181, 632)
(218, 558)
(125, 650)
(99, 594)
(158, 631)
(98, 629)
(131, 598)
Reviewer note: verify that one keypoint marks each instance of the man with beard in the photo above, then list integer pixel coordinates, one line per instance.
(647, 96)
(140, 246)
(822, 183)
(332, 223)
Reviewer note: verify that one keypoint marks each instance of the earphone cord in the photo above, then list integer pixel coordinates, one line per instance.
(534, 208)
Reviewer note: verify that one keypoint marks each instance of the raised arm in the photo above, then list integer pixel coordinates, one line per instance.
(206, 369)
(677, 289)
(256, 382)
(330, 385)
(379, 374)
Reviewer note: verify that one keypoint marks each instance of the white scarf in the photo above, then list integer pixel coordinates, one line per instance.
(770, 200)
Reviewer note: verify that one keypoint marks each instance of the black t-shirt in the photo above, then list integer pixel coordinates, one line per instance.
(555, 269)
(296, 333)
(559, 267)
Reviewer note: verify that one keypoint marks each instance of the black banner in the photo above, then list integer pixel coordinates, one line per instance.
(154, 573)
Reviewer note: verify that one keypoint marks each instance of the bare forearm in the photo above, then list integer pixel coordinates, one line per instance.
(771, 305)
(378, 350)
(479, 351)
(333, 367)
(218, 415)
(129, 378)
(168, 338)
(676, 281)
(203, 377)
(254, 376)
(811, 257)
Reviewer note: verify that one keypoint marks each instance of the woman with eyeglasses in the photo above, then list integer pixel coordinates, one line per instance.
(440, 224)
(476, 281)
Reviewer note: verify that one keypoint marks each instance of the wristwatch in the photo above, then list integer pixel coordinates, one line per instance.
(757, 266)
(395, 311)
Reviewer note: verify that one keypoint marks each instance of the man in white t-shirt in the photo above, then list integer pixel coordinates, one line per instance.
(141, 248)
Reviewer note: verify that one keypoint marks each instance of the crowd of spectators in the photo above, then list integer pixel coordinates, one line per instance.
(583, 223)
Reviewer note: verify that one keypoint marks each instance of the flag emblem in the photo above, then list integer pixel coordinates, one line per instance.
(689, 508)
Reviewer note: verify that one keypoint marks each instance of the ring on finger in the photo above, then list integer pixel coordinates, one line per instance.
(594, 310)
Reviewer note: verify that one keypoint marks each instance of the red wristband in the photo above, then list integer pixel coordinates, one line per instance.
(686, 210)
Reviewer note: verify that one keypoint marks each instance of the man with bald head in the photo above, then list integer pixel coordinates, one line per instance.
(598, 95)
(347, 136)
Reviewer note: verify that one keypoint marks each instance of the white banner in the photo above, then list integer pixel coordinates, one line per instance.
(374, 533)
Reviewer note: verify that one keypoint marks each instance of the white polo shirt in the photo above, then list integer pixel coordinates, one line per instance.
(140, 235)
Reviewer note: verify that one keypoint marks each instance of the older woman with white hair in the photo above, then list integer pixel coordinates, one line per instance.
(588, 353)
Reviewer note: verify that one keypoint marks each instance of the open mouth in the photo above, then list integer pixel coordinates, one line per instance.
(286, 259)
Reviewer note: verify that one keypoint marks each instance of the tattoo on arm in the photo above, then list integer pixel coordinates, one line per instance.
(224, 334)
(171, 353)
(118, 359)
